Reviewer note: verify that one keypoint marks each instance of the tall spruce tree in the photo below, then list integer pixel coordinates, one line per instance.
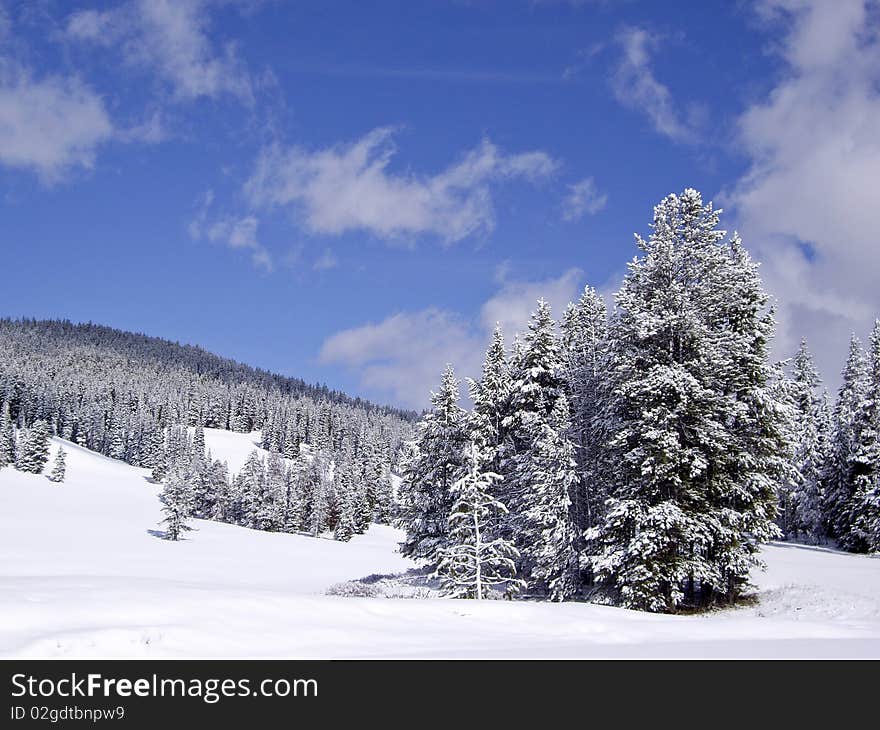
(435, 462)
(804, 509)
(584, 352)
(536, 386)
(176, 498)
(319, 499)
(841, 507)
(490, 395)
(7, 437)
(865, 461)
(696, 435)
(549, 525)
(33, 449)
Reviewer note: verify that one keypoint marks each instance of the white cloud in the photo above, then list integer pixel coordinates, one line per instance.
(171, 38)
(636, 87)
(235, 232)
(351, 188)
(49, 125)
(808, 205)
(401, 357)
(583, 198)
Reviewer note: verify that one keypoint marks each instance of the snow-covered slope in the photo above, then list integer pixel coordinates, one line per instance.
(81, 574)
(233, 448)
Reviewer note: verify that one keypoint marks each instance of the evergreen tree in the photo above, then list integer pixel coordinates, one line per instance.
(159, 456)
(840, 504)
(584, 348)
(319, 501)
(435, 463)
(805, 497)
(536, 388)
(385, 497)
(550, 531)
(470, 562)
(270, 512)
(33, 452)
(865, 461)
(490, 395)
(537, 377)
(198, 445)
(696, 435)
(251, 489)
(346, 524)
(176, 498)
(7, 437)
(117, 448)
(58, 466)
(217, 498)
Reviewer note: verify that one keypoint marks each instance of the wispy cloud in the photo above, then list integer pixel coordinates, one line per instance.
(583, 198)
(635, 85)
(351, 187)
(235, 232)
(51, 124)
(170, 38)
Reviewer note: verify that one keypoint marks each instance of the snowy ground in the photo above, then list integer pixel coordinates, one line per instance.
(81, 574)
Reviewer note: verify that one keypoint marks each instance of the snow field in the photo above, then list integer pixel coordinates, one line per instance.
(83, 573)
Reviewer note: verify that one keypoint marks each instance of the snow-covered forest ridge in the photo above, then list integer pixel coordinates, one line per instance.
(131, 397)
(639, 456)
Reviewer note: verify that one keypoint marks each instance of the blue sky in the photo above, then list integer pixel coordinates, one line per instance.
(354, 192)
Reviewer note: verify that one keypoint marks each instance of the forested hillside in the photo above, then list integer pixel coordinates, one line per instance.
(131, 397)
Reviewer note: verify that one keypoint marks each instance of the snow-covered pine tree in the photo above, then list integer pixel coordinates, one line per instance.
(159, 455)
(697, 437)
(293, 510)
(537, 376)
(840, 507)
(784, 393)
(33, 451)
(349, 498)
(435, 463)
(549, 528)
(490, 395)
(584, 355)
(217, 500)
(346, 522)
(176, 498)
(58, 466)
(319, 502)
(7, 437)
(365, 471)
(865, 462)
(805, 496)
(536, 387)
(385, 497)
(198, 443)
(270, 513)
(116, 435)
(471, 560)
(251, 489)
